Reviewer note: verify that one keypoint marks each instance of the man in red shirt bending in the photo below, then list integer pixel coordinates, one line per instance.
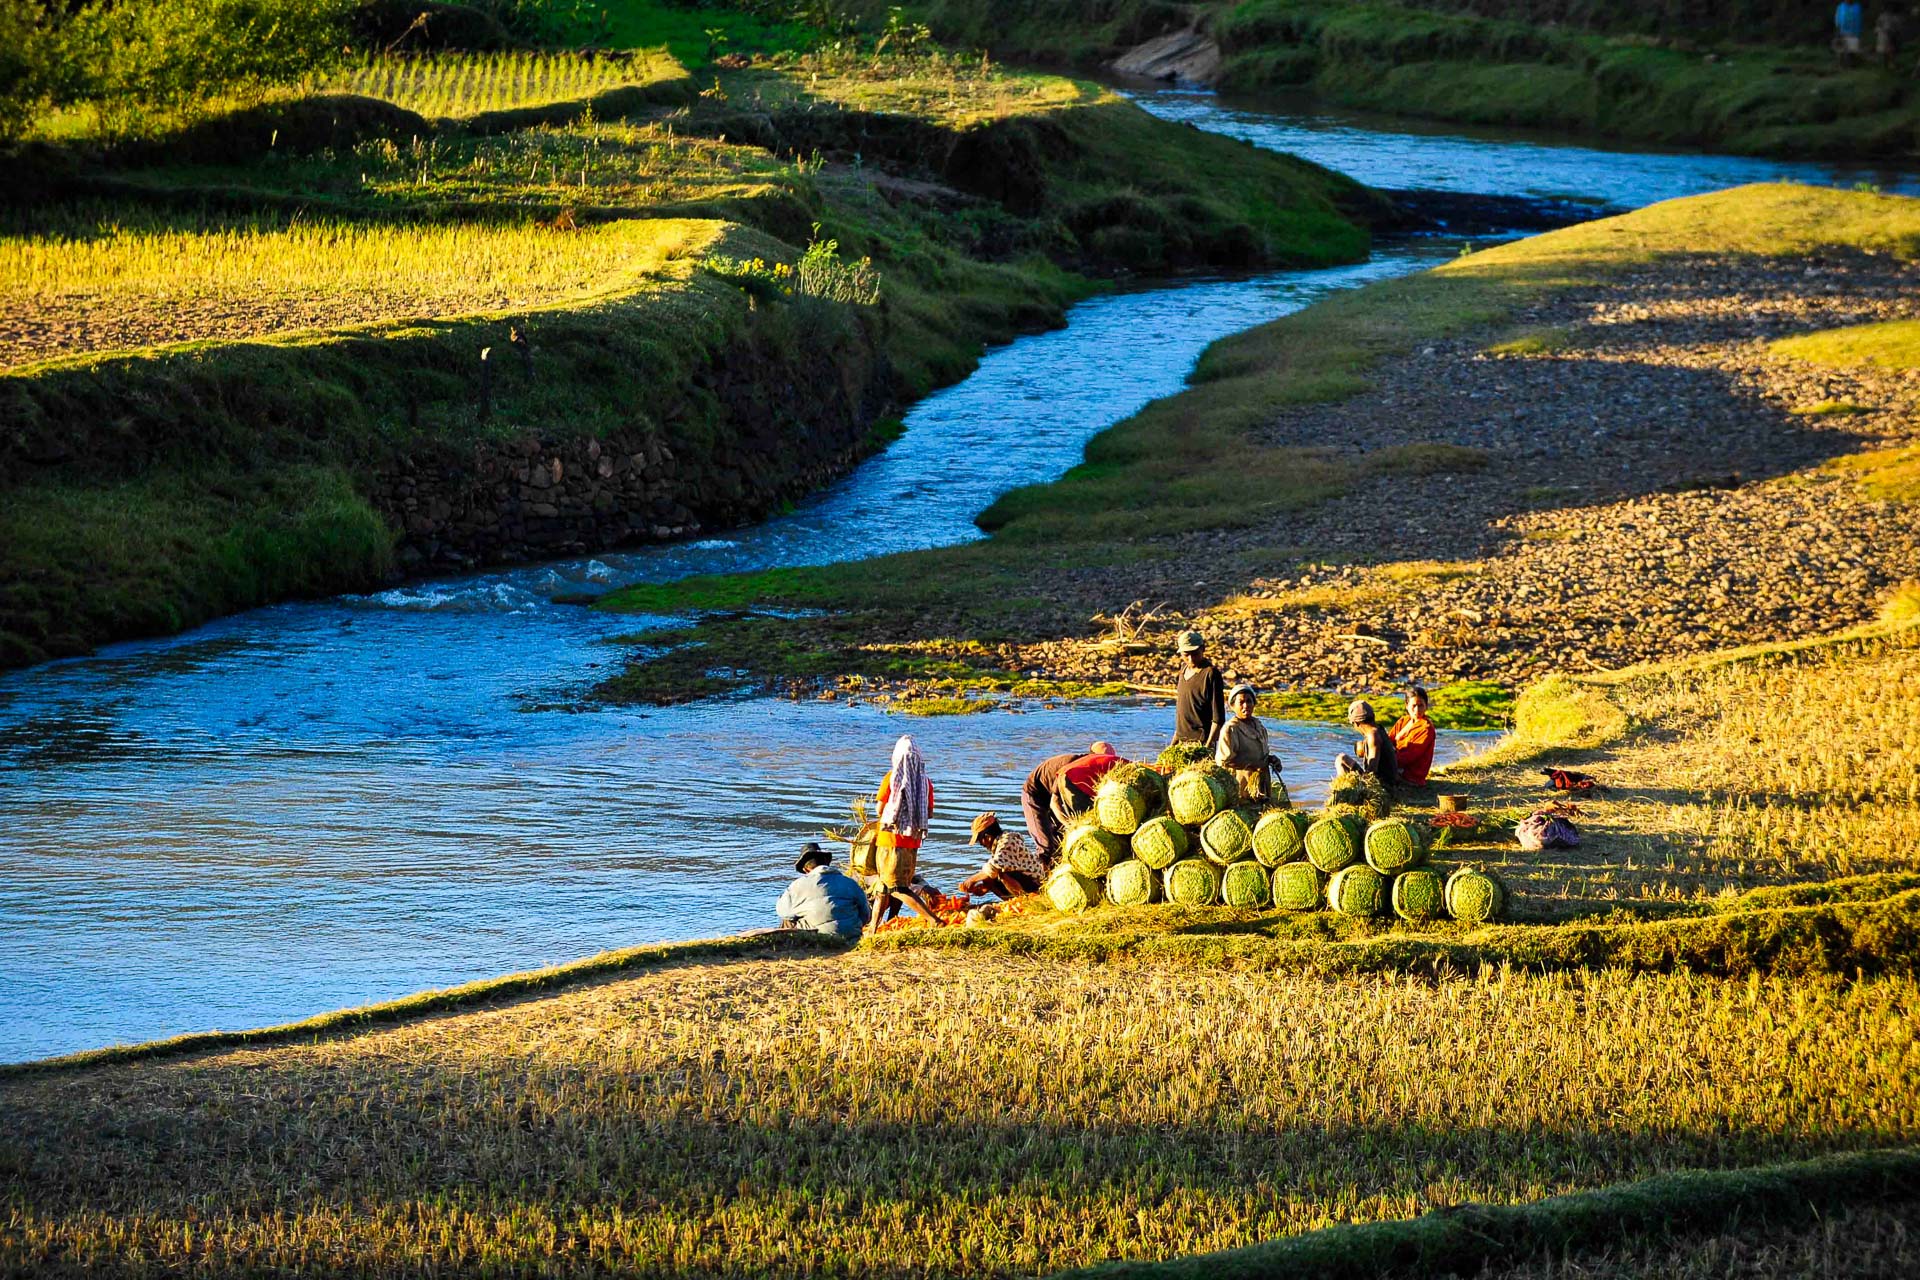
(1412, 736)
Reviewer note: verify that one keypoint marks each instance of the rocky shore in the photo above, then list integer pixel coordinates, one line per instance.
(1646, 479)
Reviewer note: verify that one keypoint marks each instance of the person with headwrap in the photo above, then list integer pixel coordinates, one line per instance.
(1243, 750)
(905, 800)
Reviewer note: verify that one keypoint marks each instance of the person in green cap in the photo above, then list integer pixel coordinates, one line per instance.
(1199, 695)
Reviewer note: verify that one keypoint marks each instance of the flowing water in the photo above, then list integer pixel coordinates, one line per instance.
(323, 804)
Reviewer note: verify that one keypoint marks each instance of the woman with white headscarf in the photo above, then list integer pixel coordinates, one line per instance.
(906, 807)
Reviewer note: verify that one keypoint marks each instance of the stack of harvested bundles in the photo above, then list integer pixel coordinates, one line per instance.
(1280, 836)
(1357, 890)
(1418, 895)
(1132, 884)
(1228, 836)
(1179, 755)
(1160, 842)
(1394, 845)
(1128, 796)
(1333, 843)
(1358, 795)
(1474, 896)
(1192, 882)
(1068, 890)
(1089, 848)
(1198, 792)
(1245, 884)
(1297, 886)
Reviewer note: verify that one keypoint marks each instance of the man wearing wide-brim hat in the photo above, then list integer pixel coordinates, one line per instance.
(824, 899)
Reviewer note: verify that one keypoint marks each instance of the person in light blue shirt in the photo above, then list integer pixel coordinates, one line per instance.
(824, 899)
(1849, 25)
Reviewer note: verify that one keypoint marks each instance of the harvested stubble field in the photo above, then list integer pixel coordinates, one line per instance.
(999, 1117)
(452, 86)
(108, 278)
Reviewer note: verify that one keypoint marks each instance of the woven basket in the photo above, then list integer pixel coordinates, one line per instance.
(1297, 886)
(1245, 884)
(1068, 890)
(1227, 837)
(1127, 797)
(1280, 836)
(1132, 884)
(1474, 896)
(1362, 793)
(1160, 842)
(1089, 849)
(1357, 890)
(1192, 882)
(1198, 792)
(1394, 845)
(1333, 843)
(1418, 895)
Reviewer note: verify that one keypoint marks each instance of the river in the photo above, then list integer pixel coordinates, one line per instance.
(323, 804)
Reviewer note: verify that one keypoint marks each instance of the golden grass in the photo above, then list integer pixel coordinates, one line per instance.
(955, 91)
(1385, 583)
(1890, 344)
(454, 85)
(1891, 475)
(1001, 1118)
(132, 280)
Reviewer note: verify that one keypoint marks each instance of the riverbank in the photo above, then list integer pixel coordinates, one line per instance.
(1159, 1131)
(258, 366)
(1758, 80)
(1497, 468)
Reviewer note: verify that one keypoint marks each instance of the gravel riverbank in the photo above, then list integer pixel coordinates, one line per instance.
(1648, 480)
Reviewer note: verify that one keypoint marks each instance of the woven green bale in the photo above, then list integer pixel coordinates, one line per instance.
(1191, 882)
(1418, 894)
(1127, 797)
(1179, 755)
(1068, 890)
(1297, 886)
(1228, 836)
(1132, 884)
(1160, 842)
(1394, 845)
(1474, 896)
(1089, 849)
(1198, 792)
(1245, 884)
(1333, 843)
(1280, 836)
(1357, 890)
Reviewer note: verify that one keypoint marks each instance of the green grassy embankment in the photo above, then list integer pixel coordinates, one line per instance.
(1732, 79)
(1155, 486)
(197, 405)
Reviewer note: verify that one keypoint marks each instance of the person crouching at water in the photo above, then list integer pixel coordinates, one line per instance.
(1243, 747)
(1374, 753)
(1013, 870)
(1199, 703)
(1058, 788)
(824, 899)
(905, 799)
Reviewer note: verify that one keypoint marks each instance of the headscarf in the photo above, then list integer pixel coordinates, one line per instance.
(908, 798)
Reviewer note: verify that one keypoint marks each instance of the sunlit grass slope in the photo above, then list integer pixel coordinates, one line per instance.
(1009, 1117)
(457, 85)
(106, 277)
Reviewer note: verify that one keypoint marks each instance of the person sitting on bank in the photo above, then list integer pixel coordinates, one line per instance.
(905, 800)
(1243, 750)
(824, 899)
(1374, 752)
(1013, 870)
(1413, 739)
(1199, 694)
(1047, 813)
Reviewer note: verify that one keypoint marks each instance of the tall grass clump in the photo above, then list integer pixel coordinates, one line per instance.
(453, 86)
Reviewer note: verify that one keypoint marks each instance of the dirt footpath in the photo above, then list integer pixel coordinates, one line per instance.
(1653, 485)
